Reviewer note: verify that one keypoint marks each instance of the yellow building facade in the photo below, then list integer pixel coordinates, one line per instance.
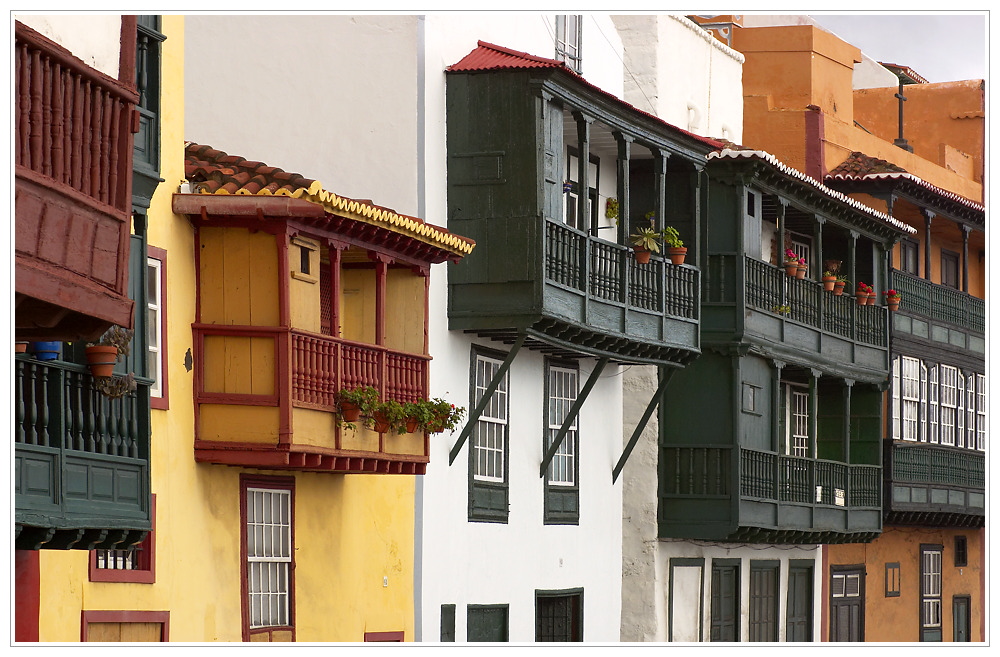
(306, 535)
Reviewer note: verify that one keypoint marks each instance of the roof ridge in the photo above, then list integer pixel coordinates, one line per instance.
(522, 54)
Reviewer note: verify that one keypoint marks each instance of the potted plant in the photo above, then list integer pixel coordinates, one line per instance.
(675, 247)
(446, 415)
(892, 298)
(109, 348)
(388, 415)
(46, 350)
(419, 415)
(116, 386)
(782, 310)
(611, 210)
(791, 263)
(829, 281)
(20, 347)
(862, 293)
(646, 241)
(800, 268)
(356, 402)
(839, 285)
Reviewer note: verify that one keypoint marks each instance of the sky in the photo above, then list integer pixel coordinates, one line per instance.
(940, 47)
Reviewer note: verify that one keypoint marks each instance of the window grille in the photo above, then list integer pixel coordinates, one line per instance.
(562, 394)
(949, 403)
(269, 556)
(896, 403)
(910, 397)
(131, 558)
(798, 411)
(981, 412)
(930, 574)
(569, 40)
(154, 329)
(489, 445)
(933, 407)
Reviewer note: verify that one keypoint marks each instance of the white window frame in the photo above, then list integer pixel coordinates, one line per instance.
(949, 403)
(910, 388)
(797, 421)
(561, 393)
(154, 325)
(930, 591)
(933, 407)
(269, 556)
(981, 410)
(569, 40)
(489, 441)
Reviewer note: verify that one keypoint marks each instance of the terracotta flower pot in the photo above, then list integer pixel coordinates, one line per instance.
(642, 255)
(20, 347)
(829, 282)
(893, 303)
(102, 359)
(871, 298)
(349, 411)
(411, 424)
(862, 299)
(791, 268)
(800, 271)
(677, 254)
(838, 288)
(382, 424)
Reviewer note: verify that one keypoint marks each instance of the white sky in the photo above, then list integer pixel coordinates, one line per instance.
(938, 46)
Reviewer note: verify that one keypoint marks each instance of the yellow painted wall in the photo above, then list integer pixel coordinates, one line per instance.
(239, 276)
(303, 289)
(404, 311)
(357, 303)
(351, 531)
(898, 618)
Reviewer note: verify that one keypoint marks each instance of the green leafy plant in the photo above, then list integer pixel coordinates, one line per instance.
(611, 209)
(361, 400)
(648, 239)
(843, 279)
(829, 274)
(420, 413)
(446, 415)
(389, 414)
(782, 310)
(672, 238)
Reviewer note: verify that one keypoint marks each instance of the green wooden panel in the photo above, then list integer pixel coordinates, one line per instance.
(488, 502)
(447, 623)
(562, 505)
(487, 623)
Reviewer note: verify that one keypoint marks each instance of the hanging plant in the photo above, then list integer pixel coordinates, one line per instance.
(611, 209)
(116, 387)
(108, 350)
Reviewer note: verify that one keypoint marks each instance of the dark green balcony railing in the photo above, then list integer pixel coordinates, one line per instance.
(801, 480)
(923, 463)
(608, 271)
(938, 302)
(81, 458)
(768, 287)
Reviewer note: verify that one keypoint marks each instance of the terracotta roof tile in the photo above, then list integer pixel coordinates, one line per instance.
(859, 164)
(212, 171)
(491, 57)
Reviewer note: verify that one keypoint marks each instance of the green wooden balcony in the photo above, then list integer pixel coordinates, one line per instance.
(939, 314)
(928, 483)
(81, 459)
(721, 492)
(586, 295)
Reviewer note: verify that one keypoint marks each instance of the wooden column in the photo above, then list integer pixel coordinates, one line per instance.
(928, 218)
(624, 189)
(583, 172)
(965, 257)
(846, 435)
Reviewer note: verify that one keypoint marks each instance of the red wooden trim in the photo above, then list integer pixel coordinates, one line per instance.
(125, 616)
(336, 262)
(126, 61)
(27, 586)
(262, 481)
(281, 241)
(283, 385)
(380, 284)
(197, 274)
(383, 636)
(141, 576)
(815, 142)
(163, 401)
(237, 399)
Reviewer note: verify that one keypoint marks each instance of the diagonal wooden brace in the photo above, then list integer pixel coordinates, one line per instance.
(665, 375)
(571, 416)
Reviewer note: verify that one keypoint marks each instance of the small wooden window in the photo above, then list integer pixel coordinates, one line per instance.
(559, 616)
(961, 551)
(135, 564)
(909, 261)
(949, 269)
(892, 580)
(487, 623)
(304, 259)
(447, 623)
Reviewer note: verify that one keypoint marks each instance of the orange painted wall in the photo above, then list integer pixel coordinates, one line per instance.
(943, 122)
(898, 618)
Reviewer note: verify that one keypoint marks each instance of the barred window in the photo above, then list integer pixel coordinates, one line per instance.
(949, 404)
(269, 556)
(490, 439)
(910, 383)
(798, 423)
(930, 588)
(933, 407)
(569, 40)
(981, 411)
(562, 393)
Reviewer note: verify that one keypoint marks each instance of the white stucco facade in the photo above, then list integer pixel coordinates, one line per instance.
(93, 38)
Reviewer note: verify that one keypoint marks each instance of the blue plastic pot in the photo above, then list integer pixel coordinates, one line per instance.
(46, 350)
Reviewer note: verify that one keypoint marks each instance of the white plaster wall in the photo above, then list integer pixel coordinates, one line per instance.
(478, 563)
(94, 38)
(679, 72)
(332, 97)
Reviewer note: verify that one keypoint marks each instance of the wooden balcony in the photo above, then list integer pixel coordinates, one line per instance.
(266, 397)
(935, 485)
(81, 459)
(73, 172)
(588, 296)
(720, 492)
(936, 315)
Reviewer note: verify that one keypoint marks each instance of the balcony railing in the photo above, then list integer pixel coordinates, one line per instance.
(322, 365)
(938, 302)
(608, 272)
(801, 480)
(81, 458)
(768, 287)
(923, 463)
(72, 124)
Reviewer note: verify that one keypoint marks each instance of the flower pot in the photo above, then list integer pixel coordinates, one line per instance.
(20, 347)
(800, 271)
(46, 350)
(871, 299)
(893, 303)
(677, 254)
(862, 299)
(838, 288)
(642, 255)
(791, 268)
(382, 423)
(350, 411)
(412, 424)
(102, 359)
(829, 282)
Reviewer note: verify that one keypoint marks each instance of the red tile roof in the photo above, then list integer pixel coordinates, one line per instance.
(859, 164)
(215, 172)
(491, 57)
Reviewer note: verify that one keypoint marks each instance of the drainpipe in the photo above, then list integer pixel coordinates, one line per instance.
(900, 141)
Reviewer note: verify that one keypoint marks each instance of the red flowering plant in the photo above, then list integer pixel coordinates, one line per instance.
(791, 256)
(434, 415)
(864, 288)
(892, 294)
